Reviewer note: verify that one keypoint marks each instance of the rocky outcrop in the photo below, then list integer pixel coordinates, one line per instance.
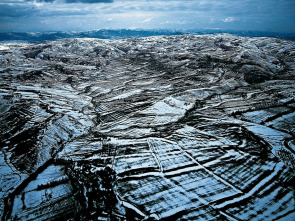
(168, 127)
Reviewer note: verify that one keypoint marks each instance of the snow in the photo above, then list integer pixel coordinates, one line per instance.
(125, 95)
(255, 189)
(50, 174)
(4, 47)
(274, 137)
(173, 142)
(288, 217)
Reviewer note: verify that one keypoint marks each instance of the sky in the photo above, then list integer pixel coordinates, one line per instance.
(84, 15)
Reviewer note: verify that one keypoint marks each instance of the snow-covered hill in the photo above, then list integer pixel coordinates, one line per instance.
(181, 127)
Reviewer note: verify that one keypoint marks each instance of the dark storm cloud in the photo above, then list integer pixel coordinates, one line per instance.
(41, 1)
(29, 8)
(46, 1)
(89, 1)
(270, 15)
(22, 10)
(73, 1)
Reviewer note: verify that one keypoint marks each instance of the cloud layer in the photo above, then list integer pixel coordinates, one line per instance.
(76, 15)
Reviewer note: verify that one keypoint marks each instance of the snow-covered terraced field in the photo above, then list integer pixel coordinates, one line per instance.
(158, 128)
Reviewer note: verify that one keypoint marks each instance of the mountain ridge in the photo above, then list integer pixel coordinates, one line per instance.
(38, 37)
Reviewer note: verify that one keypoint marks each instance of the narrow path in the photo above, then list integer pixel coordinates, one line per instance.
(155, 156)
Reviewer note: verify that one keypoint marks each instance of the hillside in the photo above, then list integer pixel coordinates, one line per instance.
(180, 127)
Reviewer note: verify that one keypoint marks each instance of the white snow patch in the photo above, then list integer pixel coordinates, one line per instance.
(3, 47)
(125, 95)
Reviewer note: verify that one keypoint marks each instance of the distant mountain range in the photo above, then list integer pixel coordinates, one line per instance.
(36, 37)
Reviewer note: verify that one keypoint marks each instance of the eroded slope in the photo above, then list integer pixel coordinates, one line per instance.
(175, 127)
